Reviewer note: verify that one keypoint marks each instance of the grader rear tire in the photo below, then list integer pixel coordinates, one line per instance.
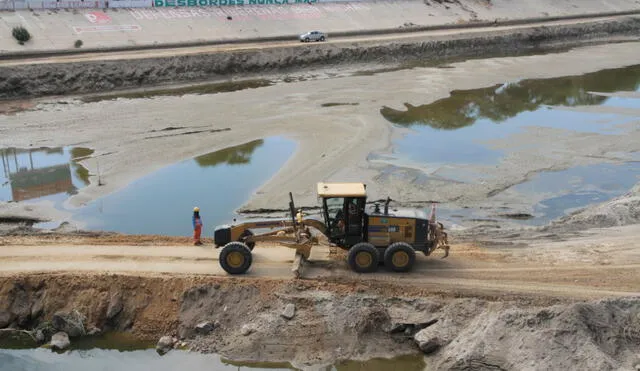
(235, 258)
(399, 257)
(363, 258)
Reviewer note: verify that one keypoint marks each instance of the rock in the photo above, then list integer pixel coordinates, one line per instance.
(164, 345)
(5, 318)
(427, 341)
(289, 311)
(72, 324)
(204, 327)
(247, 330)
(115, 306)
(40, 338)
(60, 341)
(430, 345)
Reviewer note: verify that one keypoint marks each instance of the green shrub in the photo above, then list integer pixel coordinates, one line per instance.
(78, 43)
(21, 34)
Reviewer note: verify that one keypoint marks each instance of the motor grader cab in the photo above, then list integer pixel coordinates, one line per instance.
(376, 236)
(370, 237)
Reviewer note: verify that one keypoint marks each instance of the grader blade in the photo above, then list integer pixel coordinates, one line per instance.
(446, 251)
(297, 265)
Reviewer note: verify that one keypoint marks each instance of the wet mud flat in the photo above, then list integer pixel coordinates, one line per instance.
(33, 80)
(496, 112)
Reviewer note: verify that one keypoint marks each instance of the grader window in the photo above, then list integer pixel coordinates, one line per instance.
(335, 215)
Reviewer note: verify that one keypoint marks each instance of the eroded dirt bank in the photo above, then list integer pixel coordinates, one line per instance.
(28, 80)
(246, 320)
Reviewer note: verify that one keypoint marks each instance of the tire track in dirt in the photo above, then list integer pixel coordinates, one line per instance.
(463, 274)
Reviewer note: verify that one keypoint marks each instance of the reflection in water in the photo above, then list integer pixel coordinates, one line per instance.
(501, 102)
(30, 174)
(235, 155)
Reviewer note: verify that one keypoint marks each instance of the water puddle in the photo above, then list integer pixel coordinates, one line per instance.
(116, 360)
(467, 118)
(37, 174)
(578, 187)
(218, 182)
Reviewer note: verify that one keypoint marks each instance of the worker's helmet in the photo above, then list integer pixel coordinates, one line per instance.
(196, 209)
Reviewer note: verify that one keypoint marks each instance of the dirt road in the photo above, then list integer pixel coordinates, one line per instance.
(404, 36)
(599, 263)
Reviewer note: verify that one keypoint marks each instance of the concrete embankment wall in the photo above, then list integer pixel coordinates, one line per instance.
(56, 29)
(84, 77)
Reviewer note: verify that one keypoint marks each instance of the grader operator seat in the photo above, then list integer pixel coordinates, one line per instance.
(343, 209)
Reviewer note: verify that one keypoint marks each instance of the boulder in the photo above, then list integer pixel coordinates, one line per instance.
(289, 311)
(430, 345)
(115, 306)
(204, 328)
(428, 341)
(70, 323)
(165, 344)
(60, 341)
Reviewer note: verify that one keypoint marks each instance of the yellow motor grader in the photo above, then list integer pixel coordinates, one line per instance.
(370, 237)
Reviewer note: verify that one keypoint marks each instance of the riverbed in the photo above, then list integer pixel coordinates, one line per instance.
(496, 139)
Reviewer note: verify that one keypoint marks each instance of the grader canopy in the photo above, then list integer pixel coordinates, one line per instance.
(371, 238)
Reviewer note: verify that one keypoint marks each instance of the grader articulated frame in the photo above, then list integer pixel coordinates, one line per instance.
(235, 258)
(370, 238)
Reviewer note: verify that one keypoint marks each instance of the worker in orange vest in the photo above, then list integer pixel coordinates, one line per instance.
(197, 226)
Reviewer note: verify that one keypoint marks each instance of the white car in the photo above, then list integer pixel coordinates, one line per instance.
(313, 36)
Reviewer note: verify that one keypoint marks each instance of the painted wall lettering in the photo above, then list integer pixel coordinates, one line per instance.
(194, 3)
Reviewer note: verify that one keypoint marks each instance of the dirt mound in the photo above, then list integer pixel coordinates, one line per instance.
(623, 210)
(602, 335)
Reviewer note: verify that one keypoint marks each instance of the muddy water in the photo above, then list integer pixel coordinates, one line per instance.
(218, 183)
(468, 118)
(148, 359)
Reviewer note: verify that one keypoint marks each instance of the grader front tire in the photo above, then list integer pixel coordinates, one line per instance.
(363, 258)
(235, 258)
(399, 257)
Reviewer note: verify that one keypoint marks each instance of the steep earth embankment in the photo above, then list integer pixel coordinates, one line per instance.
(29, 80)
(312, 323)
